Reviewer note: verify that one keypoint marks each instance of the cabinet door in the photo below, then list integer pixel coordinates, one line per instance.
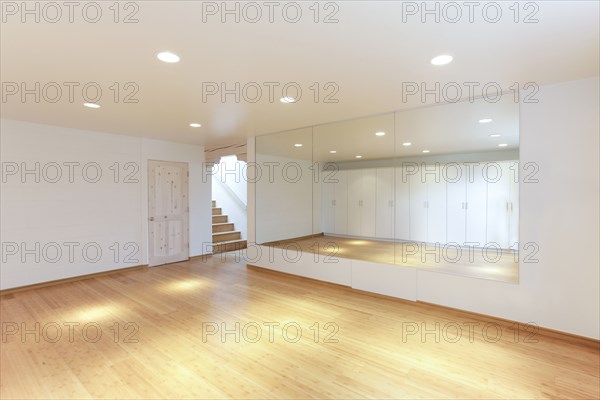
(384, 223)
(513, 235)
(402, 203)
(354, 201)
(341, 203)
(436, 205)
(368, 205)
(498, 204)
(476, 204)
(328, 205)
(456, 209)
(418, 208)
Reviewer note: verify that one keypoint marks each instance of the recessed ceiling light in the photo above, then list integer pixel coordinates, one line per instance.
(168, 57)
(357, 156)
(441, 60)
(502, 145)
(298, 145)
(485, 120)
(287, 100)
(406, 144)
(195, 125)
(332, 151)
(91, 105)
(495, 135)
(425, 151)
(379, 133)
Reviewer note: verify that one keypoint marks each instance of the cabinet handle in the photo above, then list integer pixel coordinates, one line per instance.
(333, 203)
(507, 206)
(511, 206)
(466, 205)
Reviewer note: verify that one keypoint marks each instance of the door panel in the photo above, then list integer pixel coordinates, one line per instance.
(456, 204)
(476, 204)
(354, 202)
(328, 205)
(168, 212)
(368, 212)
(436, 206)
(341, 203)
(418, 208)
(385, 203)
(513, 239)
(498, 209)
(402, 203)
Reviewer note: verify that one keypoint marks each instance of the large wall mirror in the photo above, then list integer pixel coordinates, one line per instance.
(434, 187)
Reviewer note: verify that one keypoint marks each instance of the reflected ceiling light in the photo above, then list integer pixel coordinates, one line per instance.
(406, 144)
(332, 151)
(495, 135)
(379, 133)
(425, 151)
(442, 59)
(298, 145)
(195, 125)
(168, 57)
(502, 145)
(91, 105)
(485, 120)
(357, 156)
(287, 100)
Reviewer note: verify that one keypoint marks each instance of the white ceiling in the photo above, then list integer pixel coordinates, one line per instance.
(368, 54)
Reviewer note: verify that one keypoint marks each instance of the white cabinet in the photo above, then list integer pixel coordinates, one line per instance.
(341, 203)
(402, 203)
(456, 187)
(384, 223)
(418, 208)
(476, 204)
(428, 205)
(501, 210)
(436, 204)
(464, 203)
(513, 224)
(362, 198)
(328, 205)
(334, 200)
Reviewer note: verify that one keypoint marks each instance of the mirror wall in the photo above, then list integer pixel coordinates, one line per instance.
(434, 187)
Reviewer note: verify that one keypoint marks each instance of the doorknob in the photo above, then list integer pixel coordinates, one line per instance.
(151, 219)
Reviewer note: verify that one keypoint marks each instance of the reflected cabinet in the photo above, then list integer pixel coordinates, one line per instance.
(470, 204)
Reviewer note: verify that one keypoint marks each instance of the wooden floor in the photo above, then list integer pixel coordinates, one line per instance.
(477, 263)
(368, 346)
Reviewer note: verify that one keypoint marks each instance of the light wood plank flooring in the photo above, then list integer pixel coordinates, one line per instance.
(368, 346)
(475, 262)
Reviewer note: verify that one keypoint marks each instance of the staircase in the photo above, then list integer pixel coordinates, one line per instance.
(224, 236)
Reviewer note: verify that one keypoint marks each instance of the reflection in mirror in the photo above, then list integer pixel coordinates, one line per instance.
(284, 190)
(457, 192)
(434, 188)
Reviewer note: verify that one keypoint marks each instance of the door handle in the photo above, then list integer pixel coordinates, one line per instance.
(151, 219)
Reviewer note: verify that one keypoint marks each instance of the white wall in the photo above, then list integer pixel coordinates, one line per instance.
(96, 214)
(560, 214)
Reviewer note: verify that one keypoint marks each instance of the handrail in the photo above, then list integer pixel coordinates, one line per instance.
(232, 194)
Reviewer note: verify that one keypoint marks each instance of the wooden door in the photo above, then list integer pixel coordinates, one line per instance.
(168, 212)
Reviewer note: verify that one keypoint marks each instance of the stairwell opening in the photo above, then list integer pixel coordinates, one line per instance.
(229, 205)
